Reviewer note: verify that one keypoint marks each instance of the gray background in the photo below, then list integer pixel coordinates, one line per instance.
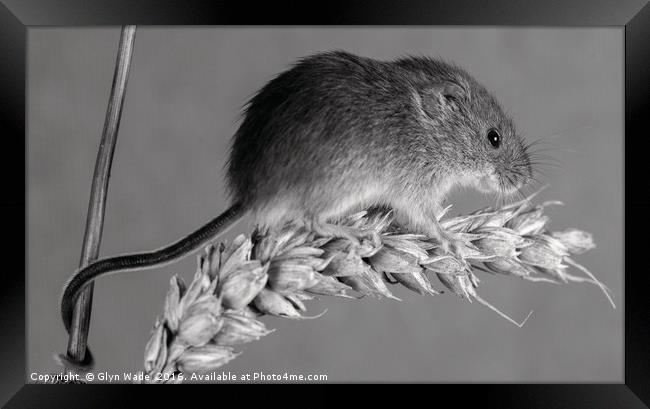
(183, 102)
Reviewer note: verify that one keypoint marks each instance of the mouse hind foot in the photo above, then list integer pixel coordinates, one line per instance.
(452, 243)
(353, 234)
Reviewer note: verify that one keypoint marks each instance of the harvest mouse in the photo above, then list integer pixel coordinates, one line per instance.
(336, 133)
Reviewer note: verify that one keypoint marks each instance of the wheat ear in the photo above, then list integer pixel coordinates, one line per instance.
(275, 273)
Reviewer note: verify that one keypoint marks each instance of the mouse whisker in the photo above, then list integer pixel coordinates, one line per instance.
(542, 154)
(548, 144)
(540, 164)
(526, 177)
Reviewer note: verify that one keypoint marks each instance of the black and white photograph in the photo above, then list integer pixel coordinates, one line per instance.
(358, 204)
(446, 194)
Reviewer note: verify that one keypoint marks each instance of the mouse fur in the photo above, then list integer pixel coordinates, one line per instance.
(339, 132)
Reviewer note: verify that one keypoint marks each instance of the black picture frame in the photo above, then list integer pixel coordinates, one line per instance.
(17, 16)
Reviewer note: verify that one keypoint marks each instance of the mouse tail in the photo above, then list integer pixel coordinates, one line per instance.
(139, 261)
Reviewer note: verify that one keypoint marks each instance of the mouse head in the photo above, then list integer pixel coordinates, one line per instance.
(469, 127)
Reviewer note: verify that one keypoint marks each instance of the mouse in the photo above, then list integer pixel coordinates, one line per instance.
(338, 132)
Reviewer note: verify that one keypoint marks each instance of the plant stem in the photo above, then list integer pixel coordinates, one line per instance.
(95, 216)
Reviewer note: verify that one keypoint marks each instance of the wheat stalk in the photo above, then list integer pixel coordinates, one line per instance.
(274, 273)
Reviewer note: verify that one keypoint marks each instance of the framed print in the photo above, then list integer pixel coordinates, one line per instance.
(422, 193)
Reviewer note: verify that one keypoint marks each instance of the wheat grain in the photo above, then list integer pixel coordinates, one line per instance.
(275, 273)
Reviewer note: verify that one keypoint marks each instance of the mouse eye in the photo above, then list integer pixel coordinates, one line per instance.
(494, 137)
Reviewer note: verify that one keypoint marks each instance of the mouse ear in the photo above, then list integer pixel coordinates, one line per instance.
(451, 91)
(442, 96)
